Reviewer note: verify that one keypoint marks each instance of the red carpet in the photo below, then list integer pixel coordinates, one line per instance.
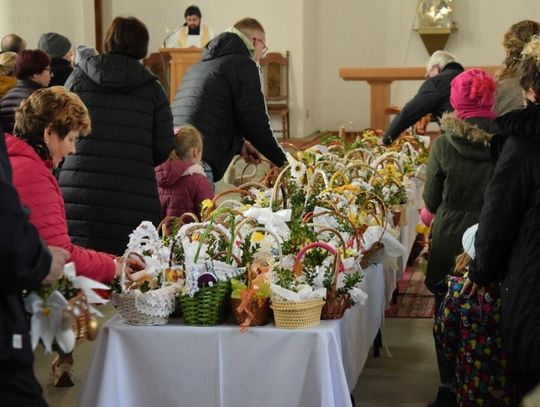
(413, 299)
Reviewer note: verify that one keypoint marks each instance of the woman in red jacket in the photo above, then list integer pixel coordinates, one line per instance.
(46, 126)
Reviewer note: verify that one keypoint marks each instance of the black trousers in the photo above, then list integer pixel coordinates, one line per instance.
(20, 388)
(446, 370)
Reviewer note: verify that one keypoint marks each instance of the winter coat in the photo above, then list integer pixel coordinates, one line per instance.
(509, 96)
(39, 192)
(508, 239)
(25, 263)
(468, 331)
(182, 187)
(11, 101)
(6, 83)
(109, 185)
(433, 98)
(61, 70)
(458, 171)
(221, 96)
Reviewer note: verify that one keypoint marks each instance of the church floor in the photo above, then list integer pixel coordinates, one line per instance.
(408, 379)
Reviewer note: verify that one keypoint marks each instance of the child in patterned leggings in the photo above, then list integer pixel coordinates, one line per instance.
(467, 327)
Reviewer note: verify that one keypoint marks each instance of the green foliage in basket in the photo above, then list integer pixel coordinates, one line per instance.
(238, 287)
(351, 281)
(249, 248)
(285, 278)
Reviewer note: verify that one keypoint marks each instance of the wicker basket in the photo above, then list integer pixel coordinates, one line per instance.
(208, 307)
(297, 315)
(150, 308)
(335, 305)
(259, 308)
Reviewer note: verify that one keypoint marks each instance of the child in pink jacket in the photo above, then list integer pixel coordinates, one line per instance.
(182, 183)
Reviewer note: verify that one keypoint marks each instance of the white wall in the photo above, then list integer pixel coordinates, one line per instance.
(321, 35)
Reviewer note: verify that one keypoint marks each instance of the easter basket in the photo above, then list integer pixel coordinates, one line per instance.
(208, 305)
(152, 307)
(304, 313)
(251, 309)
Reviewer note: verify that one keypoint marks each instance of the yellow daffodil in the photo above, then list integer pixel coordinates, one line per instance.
(207, 204)
(257, 237)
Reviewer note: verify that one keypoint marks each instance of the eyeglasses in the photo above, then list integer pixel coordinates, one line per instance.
(265, 48)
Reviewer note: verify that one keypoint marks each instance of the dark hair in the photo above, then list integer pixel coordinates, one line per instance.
(127, 36)
(30, 62)
(13, 43)
(193, 11)
(56, 107)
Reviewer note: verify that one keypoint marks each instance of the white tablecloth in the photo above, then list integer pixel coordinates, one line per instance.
(178, 365)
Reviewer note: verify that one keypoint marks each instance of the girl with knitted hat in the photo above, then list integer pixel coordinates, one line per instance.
(458, 171)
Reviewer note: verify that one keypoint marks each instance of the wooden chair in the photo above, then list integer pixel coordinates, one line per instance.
(158, 63)
(275, 72)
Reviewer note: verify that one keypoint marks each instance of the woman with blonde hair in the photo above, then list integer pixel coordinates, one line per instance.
(182, 183)
(7, 72)
(509, 96)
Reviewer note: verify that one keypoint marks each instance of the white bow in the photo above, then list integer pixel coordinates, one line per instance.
(273, 221)
(87, 285)
(47, 321)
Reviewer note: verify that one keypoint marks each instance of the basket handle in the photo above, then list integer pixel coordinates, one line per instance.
(297, 267)
(124, 274)
(310, 215)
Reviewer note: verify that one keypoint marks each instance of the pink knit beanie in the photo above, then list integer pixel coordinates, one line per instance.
(472, 94)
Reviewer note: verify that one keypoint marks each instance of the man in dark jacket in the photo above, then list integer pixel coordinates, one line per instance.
(433, 97)
(221, 96)
(59, 49)
(26, 264)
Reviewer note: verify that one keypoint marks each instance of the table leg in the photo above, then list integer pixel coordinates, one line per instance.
(380, 100)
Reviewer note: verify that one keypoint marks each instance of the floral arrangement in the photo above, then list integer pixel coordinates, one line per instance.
(62, 312)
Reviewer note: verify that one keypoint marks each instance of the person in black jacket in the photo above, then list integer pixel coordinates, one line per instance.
(59, 49)
(109, 185)
(221, 96)
(433, 97)
(508, 239)
(26, 264)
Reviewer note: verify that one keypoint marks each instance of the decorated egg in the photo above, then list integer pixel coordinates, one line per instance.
(205, 280)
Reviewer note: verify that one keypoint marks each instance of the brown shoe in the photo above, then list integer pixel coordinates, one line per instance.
(62, 373)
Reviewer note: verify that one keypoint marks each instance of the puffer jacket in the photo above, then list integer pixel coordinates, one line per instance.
(12, 99)
(39, 192)
(182, 187)
(221, 96)
(109, 185)
(508, 239)
(458, 171)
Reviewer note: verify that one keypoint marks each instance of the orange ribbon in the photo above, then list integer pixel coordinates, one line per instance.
(245, 306)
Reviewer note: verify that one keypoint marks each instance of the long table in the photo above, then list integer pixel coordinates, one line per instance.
(179, 365)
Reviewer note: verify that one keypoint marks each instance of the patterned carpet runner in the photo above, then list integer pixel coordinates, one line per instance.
(413, 299)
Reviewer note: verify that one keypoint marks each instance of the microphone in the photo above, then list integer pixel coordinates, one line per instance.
(175, 31)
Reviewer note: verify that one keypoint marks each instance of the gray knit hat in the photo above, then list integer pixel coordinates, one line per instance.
(54, 44)
(83, 52)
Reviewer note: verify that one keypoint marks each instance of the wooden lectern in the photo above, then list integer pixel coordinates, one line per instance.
(180, 61)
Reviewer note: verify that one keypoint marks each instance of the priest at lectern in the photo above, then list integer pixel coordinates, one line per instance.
(192, 34)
